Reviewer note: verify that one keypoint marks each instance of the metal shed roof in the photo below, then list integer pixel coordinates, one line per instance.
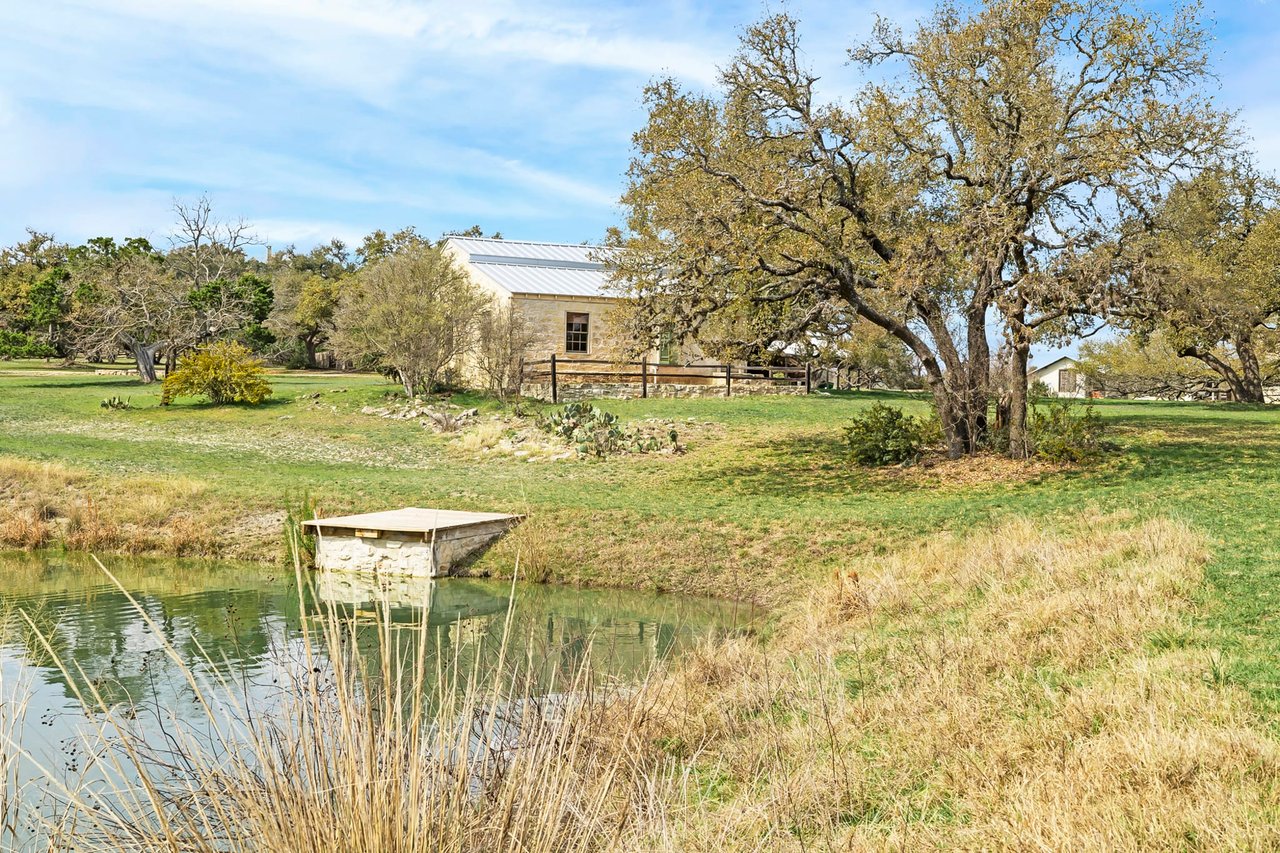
(527, 249)
(550, 281)
(550, 269)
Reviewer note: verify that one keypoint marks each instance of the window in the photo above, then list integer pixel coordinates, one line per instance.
(668, 351)
(575, 332)
(1068, 381)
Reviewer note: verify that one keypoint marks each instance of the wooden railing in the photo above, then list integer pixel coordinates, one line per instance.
(556, 369)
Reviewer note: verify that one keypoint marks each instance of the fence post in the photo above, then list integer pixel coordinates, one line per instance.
(555, 391)
(644, 377)
(808, 377)
(728, 380)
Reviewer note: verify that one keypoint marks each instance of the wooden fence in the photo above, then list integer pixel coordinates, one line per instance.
(557, 369)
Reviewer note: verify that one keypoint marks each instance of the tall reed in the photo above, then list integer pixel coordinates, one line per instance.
(13, 710)
(362, 747)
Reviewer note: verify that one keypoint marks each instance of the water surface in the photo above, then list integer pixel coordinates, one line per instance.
(245, 621)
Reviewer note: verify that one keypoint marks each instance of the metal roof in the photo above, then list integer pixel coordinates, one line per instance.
(544, 269)
(413, 519)
(549, 281)
(527, 249)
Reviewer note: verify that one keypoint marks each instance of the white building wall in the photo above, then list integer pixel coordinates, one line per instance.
(1051, 376)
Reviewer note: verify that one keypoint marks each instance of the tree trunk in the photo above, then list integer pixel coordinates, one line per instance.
(959, 393)
(408, 381)
(145, 357)
(309, 342)
(963, 414)
(1251, 371)
(1241, 390)
(1019, 441)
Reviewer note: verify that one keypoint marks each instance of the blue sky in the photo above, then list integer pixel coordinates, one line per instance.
(322, 118)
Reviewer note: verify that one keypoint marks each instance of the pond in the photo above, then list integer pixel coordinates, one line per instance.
(246, 622)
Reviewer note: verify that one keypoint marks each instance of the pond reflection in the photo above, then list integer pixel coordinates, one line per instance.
(247, 621)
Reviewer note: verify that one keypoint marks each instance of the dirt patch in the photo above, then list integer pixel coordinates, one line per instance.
(982, 469)
(255, 537)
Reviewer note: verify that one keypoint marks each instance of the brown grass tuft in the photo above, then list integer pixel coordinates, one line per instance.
(24, 527)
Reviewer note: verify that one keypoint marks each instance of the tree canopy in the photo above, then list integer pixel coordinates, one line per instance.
(981, 170)
(412, 312)
(1206, 275)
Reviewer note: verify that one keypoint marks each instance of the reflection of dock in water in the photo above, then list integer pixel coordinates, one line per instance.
(407, 597)
(552, 633)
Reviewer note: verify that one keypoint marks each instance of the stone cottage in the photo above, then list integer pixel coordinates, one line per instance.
(561, 289)
(558, 287)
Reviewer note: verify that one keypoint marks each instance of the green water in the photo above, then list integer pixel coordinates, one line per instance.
(245, 622)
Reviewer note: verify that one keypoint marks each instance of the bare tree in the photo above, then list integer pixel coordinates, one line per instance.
(503, 339)
(206, 249)
(209, 255)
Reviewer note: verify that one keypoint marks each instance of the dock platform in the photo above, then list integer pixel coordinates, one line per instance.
(414, 541)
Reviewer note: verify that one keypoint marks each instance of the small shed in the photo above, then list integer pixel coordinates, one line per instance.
(416, 541)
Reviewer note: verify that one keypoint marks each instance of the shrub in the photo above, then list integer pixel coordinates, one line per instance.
(225, 372)
(883, 435)
(1063, 432)
(22, 345)
(597, 433)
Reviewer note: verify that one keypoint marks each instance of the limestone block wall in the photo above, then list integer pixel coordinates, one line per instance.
(545, 319)
(407, 554)
(570, 391)
(401, 556)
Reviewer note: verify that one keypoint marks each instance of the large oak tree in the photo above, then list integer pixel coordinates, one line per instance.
(977, 176)
(1206, 275)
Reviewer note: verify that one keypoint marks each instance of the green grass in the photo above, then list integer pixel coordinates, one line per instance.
(761, 501)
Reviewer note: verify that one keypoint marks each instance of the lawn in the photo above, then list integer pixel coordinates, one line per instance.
(978, 654)
(761, 504)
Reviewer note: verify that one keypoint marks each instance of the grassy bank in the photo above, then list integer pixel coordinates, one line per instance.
(1013, 688)
(760, 507)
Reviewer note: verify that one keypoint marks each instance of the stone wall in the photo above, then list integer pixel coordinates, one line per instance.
(569, 391)
(545, 320)
(399, 555)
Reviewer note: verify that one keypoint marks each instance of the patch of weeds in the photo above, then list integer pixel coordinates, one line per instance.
(1171, 639)
(299, 544)
(1064, 432)
(714, 785)
(1220, 671)
(593, 432)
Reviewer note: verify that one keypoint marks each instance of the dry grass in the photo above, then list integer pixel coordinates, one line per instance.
(46, 503)
(31, 495)
(979, 470)
(13, 709)
(1019, 688)
(484, 436)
